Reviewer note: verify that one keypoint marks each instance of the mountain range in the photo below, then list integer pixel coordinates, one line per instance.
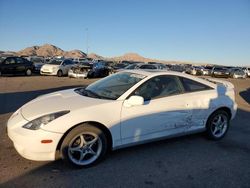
(48, 50)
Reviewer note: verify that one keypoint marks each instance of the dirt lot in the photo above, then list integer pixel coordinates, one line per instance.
(189, 161)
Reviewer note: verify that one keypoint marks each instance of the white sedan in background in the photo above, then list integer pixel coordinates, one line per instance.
(123, 109)
(57, 67)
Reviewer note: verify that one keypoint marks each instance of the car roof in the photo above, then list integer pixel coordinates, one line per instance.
(156, 72)
(153, 72)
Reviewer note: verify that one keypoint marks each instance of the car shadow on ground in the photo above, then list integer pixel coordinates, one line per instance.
(10, 102)
(245, 95)
(194, 160)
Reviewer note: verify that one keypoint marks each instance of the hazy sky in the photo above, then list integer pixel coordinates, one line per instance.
(213, 31)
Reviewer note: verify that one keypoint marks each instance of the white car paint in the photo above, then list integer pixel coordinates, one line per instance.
(155, 119)
(50, 69)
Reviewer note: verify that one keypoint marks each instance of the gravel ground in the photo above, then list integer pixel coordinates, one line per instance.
(189, 161)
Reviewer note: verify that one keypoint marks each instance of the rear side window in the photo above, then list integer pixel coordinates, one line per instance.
(192, 86)
(9, 61)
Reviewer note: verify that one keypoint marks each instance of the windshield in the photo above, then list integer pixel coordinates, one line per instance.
(112, 87)
(220, 69)
(55, 62)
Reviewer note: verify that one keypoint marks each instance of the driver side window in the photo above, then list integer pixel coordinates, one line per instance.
(158, 87)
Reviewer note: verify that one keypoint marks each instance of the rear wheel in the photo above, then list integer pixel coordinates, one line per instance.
(217, 125)
(28, 72)
(59, 73)
(84, 146)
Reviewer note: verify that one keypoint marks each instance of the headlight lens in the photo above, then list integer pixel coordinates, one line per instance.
(37, 123)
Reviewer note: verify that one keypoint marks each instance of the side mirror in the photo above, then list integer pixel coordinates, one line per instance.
(134, 101)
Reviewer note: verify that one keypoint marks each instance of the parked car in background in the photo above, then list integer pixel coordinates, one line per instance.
(195, 70)
(80, 70)
(152, 66)
(57, 67)
(237, 73)
(119, 66)
(128, 67)
(178, 67)
(124, 109)
(220, 72)
(38, 62)
(100, 69)
(248, 71)
(16, 65)
(207, 70)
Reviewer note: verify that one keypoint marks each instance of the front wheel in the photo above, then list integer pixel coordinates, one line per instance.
(217, 125)
(84, 146)
(59, 73)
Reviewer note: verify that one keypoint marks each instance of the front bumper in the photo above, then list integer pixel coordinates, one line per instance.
(48, 72)
(239, 76)
(77, 75)
(28, 142)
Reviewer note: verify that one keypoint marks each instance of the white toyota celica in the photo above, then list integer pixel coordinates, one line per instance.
(123, 109)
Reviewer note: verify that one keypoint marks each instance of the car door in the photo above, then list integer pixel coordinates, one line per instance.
(163, 113)
(19, 65)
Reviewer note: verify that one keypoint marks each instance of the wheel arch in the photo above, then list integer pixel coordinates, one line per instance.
(59, 70)
(95, 124)
(224, 108)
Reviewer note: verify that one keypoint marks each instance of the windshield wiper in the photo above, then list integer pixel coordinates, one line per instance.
(89, 93)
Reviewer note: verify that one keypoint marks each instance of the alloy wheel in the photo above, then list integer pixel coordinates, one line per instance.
(219, 125)
(84, 148)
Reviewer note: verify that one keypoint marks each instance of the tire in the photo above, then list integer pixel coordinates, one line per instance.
(59, 73)
(84, 146)
(217, 125)
(28, 72)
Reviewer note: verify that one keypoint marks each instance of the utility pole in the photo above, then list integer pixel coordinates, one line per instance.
(87, 41)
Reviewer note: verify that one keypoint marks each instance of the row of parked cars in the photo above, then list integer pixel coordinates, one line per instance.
(220, 71)
(89, 68)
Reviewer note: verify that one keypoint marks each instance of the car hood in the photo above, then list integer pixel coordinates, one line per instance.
(58, 101)
(48, 66)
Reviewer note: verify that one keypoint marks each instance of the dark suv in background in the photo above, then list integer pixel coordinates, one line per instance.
(16, 65)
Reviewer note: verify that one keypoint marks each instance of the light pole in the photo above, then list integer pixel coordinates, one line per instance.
(87, 41)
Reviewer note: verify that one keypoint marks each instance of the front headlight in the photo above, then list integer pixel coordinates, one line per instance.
(37, 123)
